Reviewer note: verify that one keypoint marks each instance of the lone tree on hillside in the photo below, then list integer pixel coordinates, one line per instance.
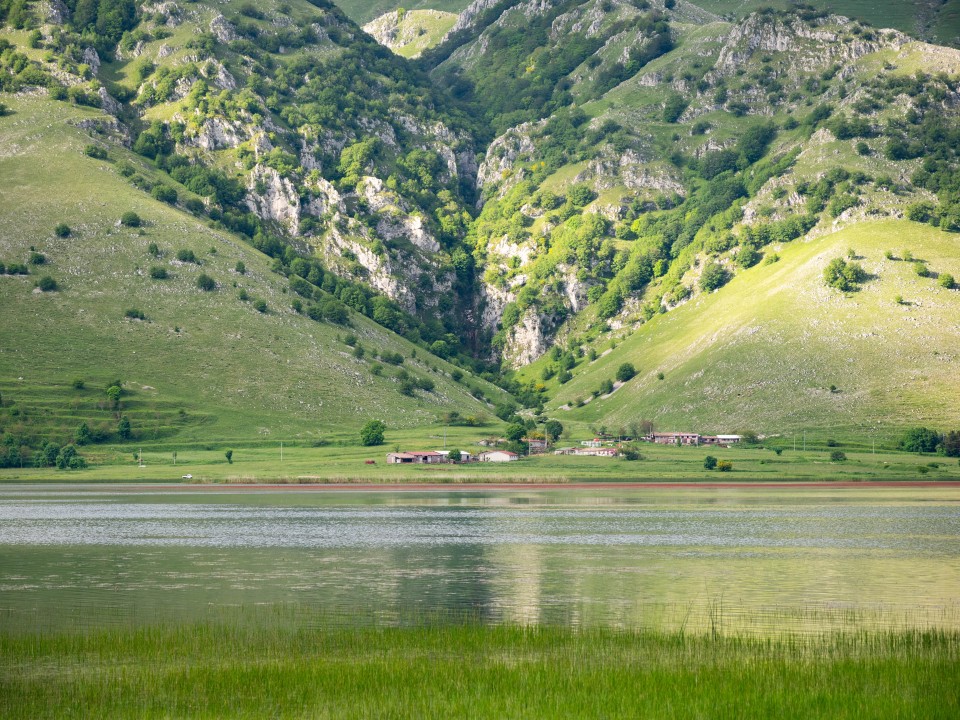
(372, 433)
(626, 371)
(553, 429)
(229, 456)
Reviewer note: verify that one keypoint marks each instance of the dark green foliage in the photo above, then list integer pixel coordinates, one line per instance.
(206, 283)
(240, 267)
(714, 276)
(606, 387)
(113, 396)
(130, 219)
(372, 433)
(844, 276)
(158, 272)
(82, 435)
(951, 444)
(229, 455)
(134, 314)
(62, 230)
(95, 151)
(553, 429)
(164, 193)
(515, 432)
(78, 384)
(674, 108)
(838, 456)
(709, 462)
(625, 372)
(920, 440)
(260, 306)
(47, 284)
(946, 280)
(68, 459)
(124, 429)
(187, 256)
(37, 258)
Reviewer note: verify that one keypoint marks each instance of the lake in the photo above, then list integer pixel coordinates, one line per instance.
(745, 560)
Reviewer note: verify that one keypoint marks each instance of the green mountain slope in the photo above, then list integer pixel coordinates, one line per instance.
(763, 352)
(410, 32)
(202, 365)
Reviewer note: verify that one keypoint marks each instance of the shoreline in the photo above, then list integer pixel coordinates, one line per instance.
(373, 487)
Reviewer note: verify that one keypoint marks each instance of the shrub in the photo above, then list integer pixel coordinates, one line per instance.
(130, 219)
(38, 258)
(724, 465)
(82, 435)
(158, 273)
(229, 456)
(153, 249)
(920, 269)
(95, 151)
(184, 255)
(838, 456)
(844, 276)
(62, 230)
(69, 459)
(240, 267)
(946, 280)
(920, 440)
(260, 306)
(124, 430)
(164, 193)
(372, 433)
(606, 387)
(47, 284)
(134, 314)
(625, 372)
(243, 295)
(78, 384)
(206, 283)
(709, 462)
(714, 276)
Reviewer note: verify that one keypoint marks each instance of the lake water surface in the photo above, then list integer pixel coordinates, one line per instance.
(733, 560)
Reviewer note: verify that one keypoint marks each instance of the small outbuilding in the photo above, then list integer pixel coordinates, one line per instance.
(498, 456)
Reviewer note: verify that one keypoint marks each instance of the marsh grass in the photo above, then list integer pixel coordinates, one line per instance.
(466, 669)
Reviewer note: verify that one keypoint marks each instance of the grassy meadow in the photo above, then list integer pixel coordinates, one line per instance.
(342, 459)
(466, 670)
(779, 351)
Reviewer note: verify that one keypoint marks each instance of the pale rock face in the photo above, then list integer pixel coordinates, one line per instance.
(494, 300)
(324, 198)
(574, 290)
(504, 152)
(91, 58)
(107, 103)
(163, 51)
(381, 274)
(633, 171)
(395, 219)
(217, 134)
(473, 11)
(222, 29)
(527, 340)
(55, 11)
(279, 201)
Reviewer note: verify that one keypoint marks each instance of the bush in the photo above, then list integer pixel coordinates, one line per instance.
(124, 430)
(153, 249)
(184, 255)
(47, 284)
(606, 387)
(206, 283)
(134, 314)
(724, 465)
(946, 280)
(130, 219)
(625, 372)
(62, 230)
(95, 151)
(158, 273)
(372, 433)
(240, 267)
(260, 306)
(78, 384)
(164, 193)
(844, 276)
(838, 456)
(709, 462)
(920, 269)
(38, 258)
(714, 276)
(920, 440)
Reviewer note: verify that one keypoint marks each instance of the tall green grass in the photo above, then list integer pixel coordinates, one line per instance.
(470, 670)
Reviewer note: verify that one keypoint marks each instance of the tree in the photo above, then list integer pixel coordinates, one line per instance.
(724, 465)
(113, 395)
(206, 283)
(240, 267)
(82, 435)
(838, 456)
(454, 455)
(47, 284)
(709, 462)
(920, 440)
(714, 276)
(229, 455)
(68, 458)
(372, 433)
(515, 432)
(124, 431)
(946, 280)
(606, 387)
(553, 429)
(951, 444)
(130, 219)
(844, 276)
(625, 372)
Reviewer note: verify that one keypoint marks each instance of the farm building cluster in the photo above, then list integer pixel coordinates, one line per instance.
(597, 447)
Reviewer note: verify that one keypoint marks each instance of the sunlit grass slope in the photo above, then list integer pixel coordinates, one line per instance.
(411, 32)
(236, 373)
(763, 352)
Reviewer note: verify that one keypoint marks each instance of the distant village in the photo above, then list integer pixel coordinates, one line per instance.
(596, 447)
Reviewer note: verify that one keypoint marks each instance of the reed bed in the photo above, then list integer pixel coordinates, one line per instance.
(470, 670)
